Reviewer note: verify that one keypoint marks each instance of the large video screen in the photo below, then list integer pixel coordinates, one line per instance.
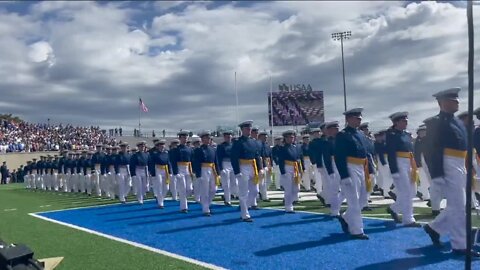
(295, 107)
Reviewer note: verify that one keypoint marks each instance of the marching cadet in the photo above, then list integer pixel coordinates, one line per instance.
(266, 155)
(364, 127)
(160, 170)
(384, 180)
(291, 169)
(245, 159)
(418, 148)
(445, 153)
(33, 175)
(122, 171)
(109, 165)
(181, 158)
(335, 197)
(87, 167)
(195, 143)
(41, 173)
(62, 171)
(67, 172)
(206, 172)
(139, 170)
(305, 152)
(403, 169)
(54, 172)
(276, 170)
(97, 159)
(81, 156)
(46, 175)
(26, 177)
(315, 148)
(352, 164)
(225, 167)
(173, 183)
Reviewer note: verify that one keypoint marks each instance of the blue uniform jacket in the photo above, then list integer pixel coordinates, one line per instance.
(315, 149)
(159, 158)
(276, 153)
(443, 131)
(245, 148)
(87, 165)
(224, 150)
(349, 143)
(70, 165)
(139, 159)
(265, 152)
(380, 151)
(97, 158)
(109, 160)
(181, 153)
(418, 150)
(289, 152)
(203, 154)
(476, 140)
(121, 159)
(397, 141)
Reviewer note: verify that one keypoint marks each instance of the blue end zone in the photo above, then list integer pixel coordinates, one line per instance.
(273, 241)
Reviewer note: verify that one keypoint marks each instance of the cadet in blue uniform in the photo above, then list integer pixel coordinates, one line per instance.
(160, 170)
(245, 159)
(181, 158)
(173, 183)
(54, 173)
(46, 175)
(252, 196)
(206, 172)
(139, 170)
(316, 158)
(33, 174)
(352, 164)
(267, 166)
(335, 197)
(109, 165)
(122, 171)
(28, 171)
(41, 173)
(97, 175)
(445, 152)
(62, 171)
(70, 170)
(305, 152)
(87, 168)
(275, 153)
(365, 196)
(225, 167)
(291, 169)
(403, 169)
(418, 149)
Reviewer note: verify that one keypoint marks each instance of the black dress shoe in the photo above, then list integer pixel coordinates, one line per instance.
(420, 195)
(393, 215)
(413, 225)
(392, 195)
(247, 219)
(361, 236)
(435, 213)
(433, 235)
(184, 211)
(266, 200)
(322, 200)
(254, 207)
(464, 252)
(161, 206)
(367, 208)
(429, 203)
(208, 214)
(227, 203)
(290, 212)
(343, 223)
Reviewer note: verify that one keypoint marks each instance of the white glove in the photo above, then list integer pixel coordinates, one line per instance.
(395, 175)
(261, 172)
(347, 181)
(224, 172)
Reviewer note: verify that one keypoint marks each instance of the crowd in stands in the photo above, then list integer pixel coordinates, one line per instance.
(28, 137)
(297, 107)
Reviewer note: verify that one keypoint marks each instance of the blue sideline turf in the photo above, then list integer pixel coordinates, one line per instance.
(273, 241)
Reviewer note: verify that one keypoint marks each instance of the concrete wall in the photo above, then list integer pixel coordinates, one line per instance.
(14, 160)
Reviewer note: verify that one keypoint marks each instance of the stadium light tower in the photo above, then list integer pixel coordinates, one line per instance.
(341, 36)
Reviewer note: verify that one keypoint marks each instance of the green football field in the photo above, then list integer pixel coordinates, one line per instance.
(87, 251)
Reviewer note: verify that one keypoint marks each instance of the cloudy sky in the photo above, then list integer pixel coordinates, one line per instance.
(87, 63)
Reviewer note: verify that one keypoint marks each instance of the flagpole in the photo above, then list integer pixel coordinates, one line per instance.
(139, 117)
(271, 109)
(236, 99)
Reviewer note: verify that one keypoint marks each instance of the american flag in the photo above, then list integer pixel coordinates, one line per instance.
(143, 107)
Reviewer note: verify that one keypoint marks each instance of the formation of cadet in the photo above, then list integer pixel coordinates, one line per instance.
(339, 165)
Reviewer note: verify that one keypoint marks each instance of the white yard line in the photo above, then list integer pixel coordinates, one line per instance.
(135, 244)
(10, 209)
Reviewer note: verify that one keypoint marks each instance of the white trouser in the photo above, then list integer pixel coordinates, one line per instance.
(26, 181)
(96, 183)
(82, 182)
(180, 179)
(104, 184)
(385, 178)
(41, 181)
(424, 183)
(405, 188)
(307, 174)
(333, 194)
(320, 177)
(159, 182)
(253, 190)
(141, 181)
(245, 187)
(74, 181)
(110, 184)
(452, 220)
(46, 181)
(173, 189)
(265, 182)
(207, 187)
(122, 183)
(353, 215)
(31, 179)
(228, 180)
(196, 189)
(276, 177)
(291, 188)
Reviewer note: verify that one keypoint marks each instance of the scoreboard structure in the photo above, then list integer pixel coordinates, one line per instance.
(294, 105)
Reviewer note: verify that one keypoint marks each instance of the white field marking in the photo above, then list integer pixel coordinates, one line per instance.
(91, 206)
(135, 244)
(47, 205)
(10, 209)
